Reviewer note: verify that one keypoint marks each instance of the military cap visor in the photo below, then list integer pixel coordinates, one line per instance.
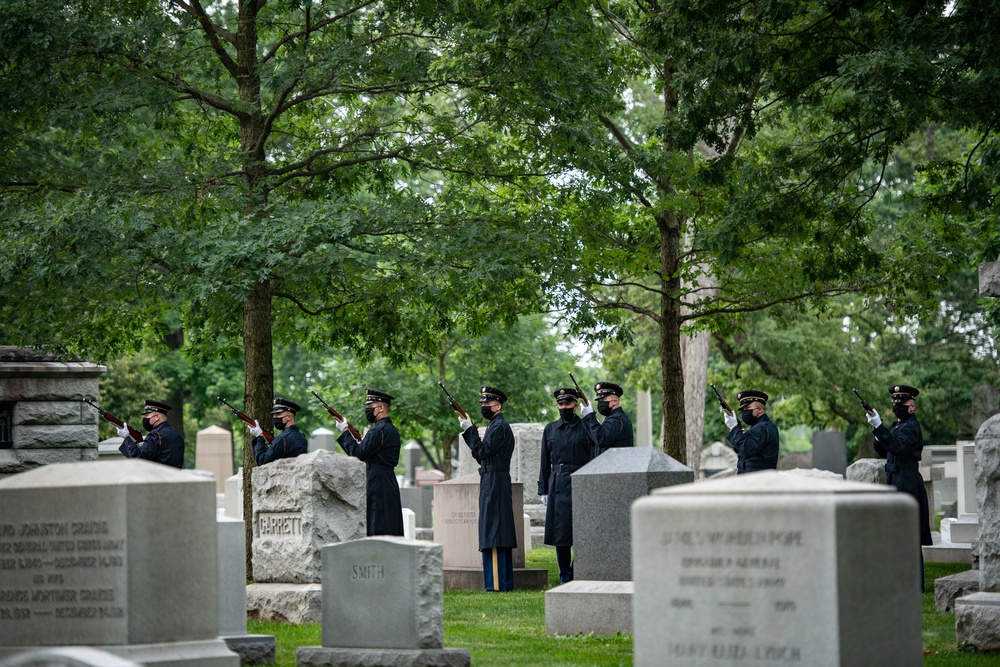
(155, 406)
(376, 396)
(751, 396)
(901, 393)
(488, 393)
(566, 395)
(284, 405)
(602, 389)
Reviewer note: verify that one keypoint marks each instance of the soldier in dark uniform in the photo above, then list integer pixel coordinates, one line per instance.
(162, 443)
(379, 449)
(757, 448)
(566, 447)
(497, 533)
(616, 431)
(290, 441)
(902, 447)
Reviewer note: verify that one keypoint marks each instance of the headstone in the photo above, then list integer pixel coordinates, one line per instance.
(965, 529)
(252, 649)
(793, 460)
(383, 604)
(717, 457)
(70, 656)
(115, 555)
(524, 461)
(234, 495)
(643, 418)
(322, 438)
(762, 569)
(830, 451)
(985, 404)
(456, 529)
(409, 524)
(977, 616)
(300, 505)
(419, 499)
(107, 449)
(427, 478)
(214, 453)
(412, 457)
(599, 599)
(868, 471)
(43, 418)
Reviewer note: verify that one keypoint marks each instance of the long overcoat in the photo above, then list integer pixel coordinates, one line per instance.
(379, 449)
(289, 443)
(757, 447)
(614, 431)
(493, 452)
(566, 447)
(163, 444)
(902, 446)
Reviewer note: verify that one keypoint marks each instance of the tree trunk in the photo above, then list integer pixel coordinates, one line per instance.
(258, 387)
(694, 356)
(674, 436)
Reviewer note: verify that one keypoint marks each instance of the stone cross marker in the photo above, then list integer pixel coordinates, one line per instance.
(771, 568)
(118, 555)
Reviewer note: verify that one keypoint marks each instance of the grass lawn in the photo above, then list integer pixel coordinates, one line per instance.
(509, 629)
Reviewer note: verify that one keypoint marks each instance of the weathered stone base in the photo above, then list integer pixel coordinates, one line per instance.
(205, 653)
(252, 649)
(471, 579)
(325, 656)
(286, 603)
(950, 588)
(947, 552)
(977, 621)
(598, 607)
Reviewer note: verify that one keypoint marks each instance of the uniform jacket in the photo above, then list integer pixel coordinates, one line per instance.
(496, 504)
(566, 447)
(379, 449)
(615, 431)
(756, 448)
(902, 447)
(289, 443)
(163, 444)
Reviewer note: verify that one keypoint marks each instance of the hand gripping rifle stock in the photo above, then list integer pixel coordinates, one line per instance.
(454, 404)
(114, 420)
(722, 402)
(579, 392)
(865, 404)
(245, 418)
(336, 415)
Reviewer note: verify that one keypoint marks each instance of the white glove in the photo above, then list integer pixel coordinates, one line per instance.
(587, 410)
(342, 425)
(465, 423)
(256, 430)
(123, 431)
(731, 420)
(873, 418)
(545, 500)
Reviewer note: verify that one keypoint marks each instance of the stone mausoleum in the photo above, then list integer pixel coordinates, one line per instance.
(43, 418)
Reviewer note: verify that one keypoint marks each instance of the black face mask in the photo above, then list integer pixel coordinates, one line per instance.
(604, 407)
(566, 413)
(146, 424)
(901, 411)
(279, 423)
(370, 415)
(748, 418)
(487, 411)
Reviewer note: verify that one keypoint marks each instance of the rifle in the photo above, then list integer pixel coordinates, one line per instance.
(579, 392)
(336, 415)
(245, 418)
(114, 420)
(722, 402)
(454, 404)
(865, 404)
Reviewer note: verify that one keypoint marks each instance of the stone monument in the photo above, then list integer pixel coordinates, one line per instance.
(114, 555)
(43, 418)
(456, 528)
(300, 505)
(830, 451)
(214, 452)
(599, 599)
(977, 616)
(252, 649)
(762, 568)
(383, 604)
